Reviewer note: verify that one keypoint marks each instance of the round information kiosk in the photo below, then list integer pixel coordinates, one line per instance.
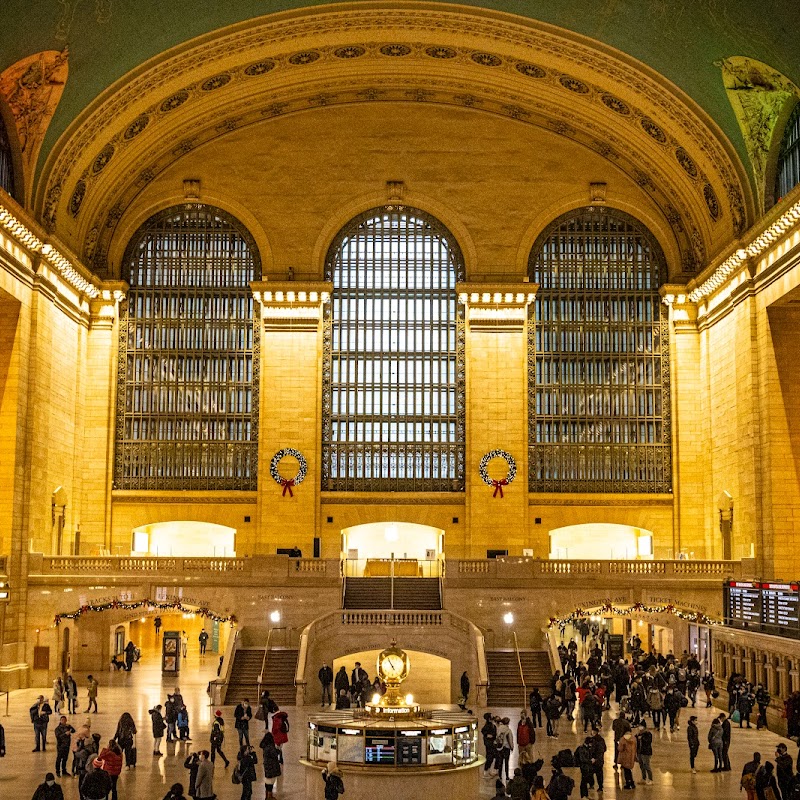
(392, 743)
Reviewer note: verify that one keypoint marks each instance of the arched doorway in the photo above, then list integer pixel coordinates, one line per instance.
(403, 549)
(186, 538)
(601, 540)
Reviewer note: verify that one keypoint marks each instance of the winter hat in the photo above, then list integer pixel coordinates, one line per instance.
(49, 777)
(217, 713)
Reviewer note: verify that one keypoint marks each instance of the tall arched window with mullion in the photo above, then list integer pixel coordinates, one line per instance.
(6, 160)
(599, 407)
(393, 375)
(187, 387)
(788, 172)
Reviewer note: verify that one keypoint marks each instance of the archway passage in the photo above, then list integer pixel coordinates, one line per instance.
(601, 540)
(401, 549)
(185, 538)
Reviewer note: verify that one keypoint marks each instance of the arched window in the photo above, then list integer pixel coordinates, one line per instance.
(599, 374)
(6, 160)
(788, 175)
(187, 402)
(393, 393)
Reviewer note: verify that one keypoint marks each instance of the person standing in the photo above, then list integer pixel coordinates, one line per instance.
(175, 792)
(203, 639)
(242, 715)
(192, 763)
(504, 744)
(341, 682)
(246, 765)
(526, 738)
(204, 782)
(183, 724)
(620, 726)
(627, 759)
(465, 687)
(159, 726)
(535, 705)
(125, 737)
(599, 757)
(63, 733)
(130, 656)
(726, 742)
(271, 759)
(489, 734)
(49, 790)
(325, 676)
(2, 742)
(644, 752)
(157, 626)
(218, 738)
(184, 644)
(715, 745)
(693, 740)
(334, 785)
(92, 694)
(750, 773)
(584, 758)
(763, 699)
(95, 784)
(71, 693)
(517, 787)
(171, 718)
(766, 785)
(58, 694)
(110, 760)
(40, 713)
(784, 770)
(268, 707)
(280, 729)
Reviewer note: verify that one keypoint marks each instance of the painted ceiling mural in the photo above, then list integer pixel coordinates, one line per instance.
(681, 39)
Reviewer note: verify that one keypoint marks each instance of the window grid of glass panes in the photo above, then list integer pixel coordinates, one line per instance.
(599, 361)
(6, 161)
(187, 415)
(788, 174)
(393, 388)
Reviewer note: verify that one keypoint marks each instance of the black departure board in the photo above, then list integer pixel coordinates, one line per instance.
(767, 607)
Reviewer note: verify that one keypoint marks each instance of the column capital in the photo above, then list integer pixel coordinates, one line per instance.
(291, 304)
(496, 305)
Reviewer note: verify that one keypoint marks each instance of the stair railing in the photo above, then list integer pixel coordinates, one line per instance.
(343, 570)
(521, 673)
(391, 583)
(219, 686)
(264, 664)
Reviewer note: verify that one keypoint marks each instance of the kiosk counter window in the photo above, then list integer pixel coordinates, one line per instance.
(440, 746)
(465, 744)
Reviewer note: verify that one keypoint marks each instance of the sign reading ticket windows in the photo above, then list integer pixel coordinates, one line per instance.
(765, 607)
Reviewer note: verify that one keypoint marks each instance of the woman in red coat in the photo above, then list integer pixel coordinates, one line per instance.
(280, 728)
(110, 760)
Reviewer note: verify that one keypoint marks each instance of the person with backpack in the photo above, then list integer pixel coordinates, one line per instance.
(504, 745)
(655, 702)
(517, 788)
(246, 770)
(644, 752)
(535, 705)
(271, 759)
(693, 740)
(280, 728)
(750, 773)
(560, 786)
(762, 699)
(489, 734)
(218, 738)
(766, 785)
(552, 711)
(334, 784)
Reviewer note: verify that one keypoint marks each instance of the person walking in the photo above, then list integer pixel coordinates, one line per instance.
(726, 742)
(58, 695)
(644, 752)
(465, 687)
(271, 759)
(2, 742)
(110, 760)
(159, 726)
(71, 694)
(157, 626)
(334, 784)
(784, 769)
(715, 744)
(762, 699)
(325, 676)
(246, 764)
(63, 733)
(125, 737)
(269, 706)
(49, 790)
(489, 734)
(526, 738)
(693, 740)
(192, 763)
(750, 773)
(218, 738)
(204, 782)
(92, 694)
(130, 656)
(766, 785)
(203, 639)
(627, 759)
(40, 713)
(242, 715)
(280, 729)
(535, 705)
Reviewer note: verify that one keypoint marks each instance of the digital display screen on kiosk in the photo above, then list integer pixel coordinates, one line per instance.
(766, 607)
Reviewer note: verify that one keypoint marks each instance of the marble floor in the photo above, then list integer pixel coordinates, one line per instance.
(21, 770)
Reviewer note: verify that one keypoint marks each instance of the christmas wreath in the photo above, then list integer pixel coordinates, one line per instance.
(512, 470)
(284, 482)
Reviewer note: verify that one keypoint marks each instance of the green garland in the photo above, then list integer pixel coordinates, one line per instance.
(625, 611)
(122, 605)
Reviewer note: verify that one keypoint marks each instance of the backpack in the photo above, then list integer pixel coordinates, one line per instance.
(285, 724)
(749, 781)
(565, 758)
(561, 785)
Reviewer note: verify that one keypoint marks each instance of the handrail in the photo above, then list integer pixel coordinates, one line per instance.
(264, 663)
(391, 584)
(343, 573)
(228, 656)
(521, 673)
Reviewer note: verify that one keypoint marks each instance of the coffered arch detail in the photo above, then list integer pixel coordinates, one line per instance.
(525, 71)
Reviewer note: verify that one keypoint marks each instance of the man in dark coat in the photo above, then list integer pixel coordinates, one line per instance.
(130, 654)
(49, 790)
(465, 686)
(325, 676)
(40, 713)
(726, 742)
(243, 713)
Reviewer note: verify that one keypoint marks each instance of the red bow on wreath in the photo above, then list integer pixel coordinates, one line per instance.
(287, 486)
(498, 487)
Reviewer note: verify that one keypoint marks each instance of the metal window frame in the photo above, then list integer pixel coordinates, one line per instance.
(200, 315)
(379, 464)
(787, 174)
(7, 179)
(593, 449)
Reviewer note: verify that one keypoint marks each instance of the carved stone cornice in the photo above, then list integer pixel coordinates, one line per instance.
(491, 306)
(291, 305)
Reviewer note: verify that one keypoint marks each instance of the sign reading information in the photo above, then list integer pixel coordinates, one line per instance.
(767, 607)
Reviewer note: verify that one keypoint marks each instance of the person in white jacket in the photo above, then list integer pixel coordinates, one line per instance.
(504, 744)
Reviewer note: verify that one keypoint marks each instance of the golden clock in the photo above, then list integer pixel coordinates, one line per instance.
(393, 665)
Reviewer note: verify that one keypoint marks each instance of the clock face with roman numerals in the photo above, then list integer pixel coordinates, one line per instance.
(393, 664)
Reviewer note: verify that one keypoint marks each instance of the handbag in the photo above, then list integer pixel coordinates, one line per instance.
(260, 713)
(736, 716)
(236, 777)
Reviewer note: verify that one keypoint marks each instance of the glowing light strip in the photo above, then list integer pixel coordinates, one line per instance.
(761, 243)
(53, 257)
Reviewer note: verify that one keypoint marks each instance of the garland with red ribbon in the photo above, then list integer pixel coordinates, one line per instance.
(611, 609)
(150, 605)
(287, 483)
(495, 484)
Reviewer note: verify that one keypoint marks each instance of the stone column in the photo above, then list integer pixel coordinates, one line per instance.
(783, 677)
(759, 678)
(497, 399)
(769, 676)
(290, 408)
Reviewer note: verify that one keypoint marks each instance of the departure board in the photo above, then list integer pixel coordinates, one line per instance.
(780, 609)
(767, 607)
(744, 604)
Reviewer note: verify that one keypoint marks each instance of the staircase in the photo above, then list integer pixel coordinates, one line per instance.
(278, 676)
(505, 684)
(368, 593)
(421, 594)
